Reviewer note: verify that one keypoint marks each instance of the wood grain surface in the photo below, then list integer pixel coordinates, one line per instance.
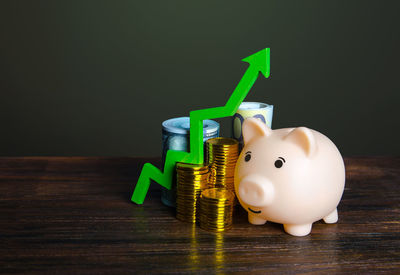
(73, 215)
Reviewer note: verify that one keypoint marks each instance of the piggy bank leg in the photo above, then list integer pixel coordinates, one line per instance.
(298, 229)
(253, 219)
(332, 217)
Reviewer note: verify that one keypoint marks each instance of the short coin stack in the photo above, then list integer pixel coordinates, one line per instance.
(221, 155)
(191, 180)
(216, 206)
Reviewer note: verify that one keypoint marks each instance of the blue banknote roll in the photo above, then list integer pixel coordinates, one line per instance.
(175, 136)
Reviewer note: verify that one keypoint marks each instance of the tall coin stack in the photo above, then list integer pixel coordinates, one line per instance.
(221, 155)
(191, 180)
(216, 207)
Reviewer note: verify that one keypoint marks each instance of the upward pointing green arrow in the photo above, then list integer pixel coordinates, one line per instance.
(259, 62)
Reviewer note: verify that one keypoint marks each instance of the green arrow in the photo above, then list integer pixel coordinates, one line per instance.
(259, 62)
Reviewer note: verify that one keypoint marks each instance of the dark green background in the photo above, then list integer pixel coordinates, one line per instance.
(99, 77)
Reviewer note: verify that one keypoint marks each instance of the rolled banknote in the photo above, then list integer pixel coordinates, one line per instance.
(175, 136)
(258, 110)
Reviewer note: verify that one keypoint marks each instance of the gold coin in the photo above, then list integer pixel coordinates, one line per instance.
(222, 141)
(217, 194)
(191, 167)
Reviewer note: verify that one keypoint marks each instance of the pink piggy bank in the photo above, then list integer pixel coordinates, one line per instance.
(293, 176)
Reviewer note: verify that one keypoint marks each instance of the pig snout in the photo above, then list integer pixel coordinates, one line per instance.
(256, 190)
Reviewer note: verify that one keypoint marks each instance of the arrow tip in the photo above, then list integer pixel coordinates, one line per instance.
(260, 61)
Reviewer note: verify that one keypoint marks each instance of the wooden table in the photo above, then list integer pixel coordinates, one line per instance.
(74, 215)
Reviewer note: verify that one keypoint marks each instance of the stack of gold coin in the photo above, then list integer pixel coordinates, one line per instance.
(221, 155)
(216, 206)
(190, 181)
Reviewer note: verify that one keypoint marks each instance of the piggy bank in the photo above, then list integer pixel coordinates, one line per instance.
(292, 176)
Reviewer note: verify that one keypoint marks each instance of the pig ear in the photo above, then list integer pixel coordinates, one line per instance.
(254, 127)
(304, 138)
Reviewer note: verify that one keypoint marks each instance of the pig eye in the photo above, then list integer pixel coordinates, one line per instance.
(248, 156)
(279, 162)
